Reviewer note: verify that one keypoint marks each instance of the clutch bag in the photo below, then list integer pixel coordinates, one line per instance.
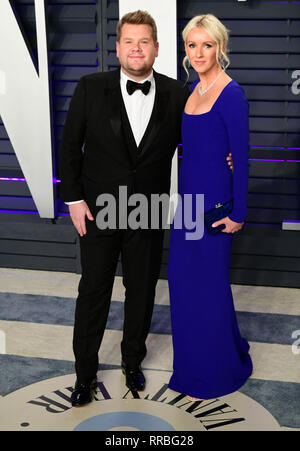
(215, 214)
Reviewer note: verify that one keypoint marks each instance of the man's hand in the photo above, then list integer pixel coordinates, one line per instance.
(231, 226)
(78, 212)
(229, 161)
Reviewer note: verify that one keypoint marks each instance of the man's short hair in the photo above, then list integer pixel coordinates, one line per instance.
(137, 18)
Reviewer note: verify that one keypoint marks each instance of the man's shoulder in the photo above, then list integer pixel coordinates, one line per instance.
(100, 77)
(169, 82)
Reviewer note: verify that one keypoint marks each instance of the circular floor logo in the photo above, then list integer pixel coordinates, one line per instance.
(45, 406)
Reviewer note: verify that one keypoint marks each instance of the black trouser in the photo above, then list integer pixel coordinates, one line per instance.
(141, 252)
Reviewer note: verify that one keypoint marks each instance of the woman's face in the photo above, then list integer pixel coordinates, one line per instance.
(201, 50)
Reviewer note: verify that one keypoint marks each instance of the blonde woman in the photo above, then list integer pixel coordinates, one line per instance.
(211, 358)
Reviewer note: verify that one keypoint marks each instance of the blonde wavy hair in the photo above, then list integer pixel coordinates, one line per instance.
(218, 33)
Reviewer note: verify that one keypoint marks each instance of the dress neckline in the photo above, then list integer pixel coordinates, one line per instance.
(207, 112)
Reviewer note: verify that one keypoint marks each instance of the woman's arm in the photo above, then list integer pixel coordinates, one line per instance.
(235, 113)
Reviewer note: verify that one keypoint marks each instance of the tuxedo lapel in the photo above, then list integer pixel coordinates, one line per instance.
(156, 119)
(119, 119)
(118, 116)
(128, 134)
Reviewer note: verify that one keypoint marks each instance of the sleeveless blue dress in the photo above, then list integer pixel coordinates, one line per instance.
(211, 359)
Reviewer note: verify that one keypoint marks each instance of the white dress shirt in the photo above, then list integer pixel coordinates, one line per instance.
(138, 107)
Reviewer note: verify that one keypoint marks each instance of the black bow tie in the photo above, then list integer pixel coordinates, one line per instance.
(132, 86)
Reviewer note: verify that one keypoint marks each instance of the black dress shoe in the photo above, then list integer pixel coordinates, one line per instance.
(83, 393)
(135, 380)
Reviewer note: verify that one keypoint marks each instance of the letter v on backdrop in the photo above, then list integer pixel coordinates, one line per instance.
(25, 104)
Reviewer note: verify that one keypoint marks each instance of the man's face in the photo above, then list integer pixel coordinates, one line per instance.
(137, 51)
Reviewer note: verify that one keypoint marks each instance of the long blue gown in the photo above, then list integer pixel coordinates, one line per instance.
(211, 358)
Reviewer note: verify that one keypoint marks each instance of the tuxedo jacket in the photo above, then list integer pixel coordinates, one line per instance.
(98, 152)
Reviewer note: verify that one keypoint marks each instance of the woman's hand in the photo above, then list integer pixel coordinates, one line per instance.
(231, 226)
(229, 161)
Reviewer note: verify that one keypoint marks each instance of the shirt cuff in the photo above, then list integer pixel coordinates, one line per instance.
(74, 202)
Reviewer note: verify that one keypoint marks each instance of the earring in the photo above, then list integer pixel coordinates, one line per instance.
(222, 63)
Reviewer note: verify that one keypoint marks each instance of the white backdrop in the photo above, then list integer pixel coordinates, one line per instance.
(25, 104)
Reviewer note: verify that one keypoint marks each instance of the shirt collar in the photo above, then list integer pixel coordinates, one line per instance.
(124, 78)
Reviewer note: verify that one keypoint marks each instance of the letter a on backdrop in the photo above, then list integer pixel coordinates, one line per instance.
(25, 104)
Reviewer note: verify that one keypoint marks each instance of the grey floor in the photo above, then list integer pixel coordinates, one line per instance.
(36, 318)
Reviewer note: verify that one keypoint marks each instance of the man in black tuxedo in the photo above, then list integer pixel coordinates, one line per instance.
(129, 132)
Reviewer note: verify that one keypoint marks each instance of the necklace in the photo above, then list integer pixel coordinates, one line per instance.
(205, 90)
